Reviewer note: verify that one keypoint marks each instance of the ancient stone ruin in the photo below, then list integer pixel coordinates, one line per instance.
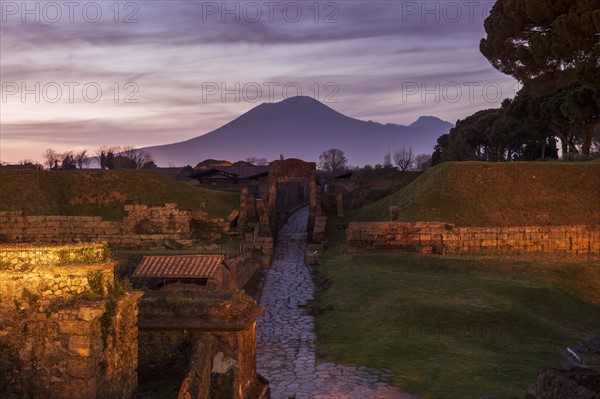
(202, 330)
(143, 226)
(70, 329)
(579, 376)
(292, 185)
(445, 238)
(67, 328)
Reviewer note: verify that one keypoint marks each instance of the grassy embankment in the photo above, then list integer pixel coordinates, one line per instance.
(497, 194)
(462, 328)
(102, 193)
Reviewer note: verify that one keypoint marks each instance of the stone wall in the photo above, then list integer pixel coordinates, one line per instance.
(374, 188)
(196, 383)
(144, 226)
(342, 192)
(447, 239)
(243, 268)
(284, 175)
(265, 245)
(233, 372)
(574, 383)
(247, 208)
(64, 333)
(37, 276)
(165, 352)
(218, 344)
(221, 364)
(254, 214)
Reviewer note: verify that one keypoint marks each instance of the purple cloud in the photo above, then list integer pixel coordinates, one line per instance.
(370, 51)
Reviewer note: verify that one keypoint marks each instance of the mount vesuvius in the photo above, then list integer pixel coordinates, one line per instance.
(302, 127)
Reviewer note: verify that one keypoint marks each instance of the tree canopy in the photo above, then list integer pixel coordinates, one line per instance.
(333, 161)
(553, 48)
(524, 128)
(550, 43)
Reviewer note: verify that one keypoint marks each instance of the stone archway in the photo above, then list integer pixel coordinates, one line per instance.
(292, 183)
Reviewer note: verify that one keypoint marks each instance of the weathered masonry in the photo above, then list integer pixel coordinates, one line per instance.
(142, 226)
(206, 337)
(65, 330)
(445, 238)
(292, 184)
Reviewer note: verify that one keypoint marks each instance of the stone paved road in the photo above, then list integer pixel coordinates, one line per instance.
(286, 338)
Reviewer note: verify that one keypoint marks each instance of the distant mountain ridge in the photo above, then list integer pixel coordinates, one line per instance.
(302, 127)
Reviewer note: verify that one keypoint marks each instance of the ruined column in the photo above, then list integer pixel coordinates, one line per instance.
(339, 198)
(243, 208)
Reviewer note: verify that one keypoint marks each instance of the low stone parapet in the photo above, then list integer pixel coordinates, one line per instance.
(446, 238)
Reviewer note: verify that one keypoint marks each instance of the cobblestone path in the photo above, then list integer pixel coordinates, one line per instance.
(286, 338)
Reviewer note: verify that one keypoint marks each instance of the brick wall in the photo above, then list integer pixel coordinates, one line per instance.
(446, 238)
(143, 226)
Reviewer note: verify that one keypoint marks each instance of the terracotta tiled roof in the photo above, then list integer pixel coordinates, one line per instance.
(179, 266)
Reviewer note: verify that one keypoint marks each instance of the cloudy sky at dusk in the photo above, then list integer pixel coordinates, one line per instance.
(161, 66)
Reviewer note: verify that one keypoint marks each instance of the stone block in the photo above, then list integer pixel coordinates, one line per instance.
(88, 313)
(79, 345)
(80, 367)
(233, 215)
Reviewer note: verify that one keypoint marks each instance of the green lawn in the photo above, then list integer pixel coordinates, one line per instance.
(454, 328)
(103, 192)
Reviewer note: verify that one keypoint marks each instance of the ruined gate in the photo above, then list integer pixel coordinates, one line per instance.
(292, 184)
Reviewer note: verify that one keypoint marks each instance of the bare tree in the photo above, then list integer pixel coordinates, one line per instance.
(82, 159)
(422, 161)
(103, 150)
(404, 159)
(333, 161)
(68, 160)
(106, 156)
(51, 158)
(387, 160)
(257, 161)
(139, 156)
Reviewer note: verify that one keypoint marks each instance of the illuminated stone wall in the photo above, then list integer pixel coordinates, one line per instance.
(448, 239)
(64, 330)
(143, 226)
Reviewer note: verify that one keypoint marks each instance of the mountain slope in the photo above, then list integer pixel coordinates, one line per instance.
(497, 194)
(302, 127)
(430, 122)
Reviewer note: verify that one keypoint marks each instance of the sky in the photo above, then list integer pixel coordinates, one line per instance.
(82, 74)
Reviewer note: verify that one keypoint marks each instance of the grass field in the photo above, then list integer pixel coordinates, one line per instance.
(454, 328)
(102, 192)
(497, 194)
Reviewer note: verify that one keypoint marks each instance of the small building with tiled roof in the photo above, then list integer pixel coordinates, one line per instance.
(156, 271)
(232, 174)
